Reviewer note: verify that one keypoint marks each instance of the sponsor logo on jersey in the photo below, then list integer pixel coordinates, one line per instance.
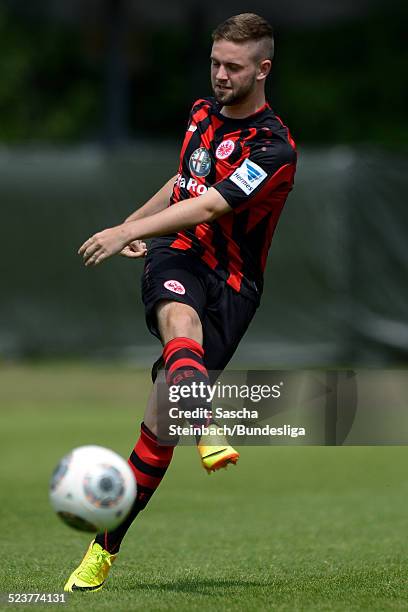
(200, 162)
(225, 149)
(248, 176)
(191, 185)
(175, 287)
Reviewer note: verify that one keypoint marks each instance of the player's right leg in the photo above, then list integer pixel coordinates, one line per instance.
(92, 572)
(149, 461)
(181, 333)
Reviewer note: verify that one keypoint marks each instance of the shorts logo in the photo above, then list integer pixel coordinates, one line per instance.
(200, 162)
(175, 287)
(248, 176)
(225, 149)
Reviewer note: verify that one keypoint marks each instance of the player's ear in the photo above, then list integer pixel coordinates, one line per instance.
(264, 68)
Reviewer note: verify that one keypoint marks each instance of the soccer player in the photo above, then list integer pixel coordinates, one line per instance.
(212, 225)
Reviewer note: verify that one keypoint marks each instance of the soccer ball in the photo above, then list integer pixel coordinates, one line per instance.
(92, 489)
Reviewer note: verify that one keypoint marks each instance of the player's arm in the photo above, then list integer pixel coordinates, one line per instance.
(180, 216)
(158, 202)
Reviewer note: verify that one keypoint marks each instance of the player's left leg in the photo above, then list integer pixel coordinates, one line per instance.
(183, 359)
(176, 290)
(225, 322)
(224, 315)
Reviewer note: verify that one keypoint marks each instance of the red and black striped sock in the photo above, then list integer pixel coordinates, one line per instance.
(149, 462)
(184, 366)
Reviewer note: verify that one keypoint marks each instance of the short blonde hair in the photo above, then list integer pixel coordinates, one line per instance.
(247, 27)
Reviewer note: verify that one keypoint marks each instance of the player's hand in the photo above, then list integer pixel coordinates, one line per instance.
(103, 245)
(134, 249)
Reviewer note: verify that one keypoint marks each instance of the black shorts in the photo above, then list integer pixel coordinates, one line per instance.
(225, 314)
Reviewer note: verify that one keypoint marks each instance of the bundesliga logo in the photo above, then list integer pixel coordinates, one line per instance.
(225, 149)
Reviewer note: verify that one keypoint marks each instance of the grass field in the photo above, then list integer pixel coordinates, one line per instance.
(290, 528)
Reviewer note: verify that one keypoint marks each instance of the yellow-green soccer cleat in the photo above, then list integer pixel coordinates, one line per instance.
(216, 453)
(93, 570)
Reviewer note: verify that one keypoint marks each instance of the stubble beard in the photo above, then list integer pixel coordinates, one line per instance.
(231, 98)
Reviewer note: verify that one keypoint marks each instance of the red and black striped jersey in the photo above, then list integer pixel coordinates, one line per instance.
(251, 162)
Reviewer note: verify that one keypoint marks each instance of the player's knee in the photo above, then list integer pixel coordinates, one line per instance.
(176, 319)
(184, 323)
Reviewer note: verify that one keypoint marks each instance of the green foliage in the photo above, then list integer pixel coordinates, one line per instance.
(47, 92)
(344, 83)
(347, 83)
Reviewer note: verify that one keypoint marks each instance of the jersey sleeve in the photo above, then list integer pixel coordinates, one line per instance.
(198, 104)
(265, 169)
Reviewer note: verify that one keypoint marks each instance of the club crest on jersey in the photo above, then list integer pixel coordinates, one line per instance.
(200, 162)
(175, 287)
(225, 149)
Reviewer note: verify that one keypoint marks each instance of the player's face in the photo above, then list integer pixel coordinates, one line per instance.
(234, 71)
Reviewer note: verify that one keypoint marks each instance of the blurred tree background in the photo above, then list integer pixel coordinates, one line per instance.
(44, 74)
(342, 82)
